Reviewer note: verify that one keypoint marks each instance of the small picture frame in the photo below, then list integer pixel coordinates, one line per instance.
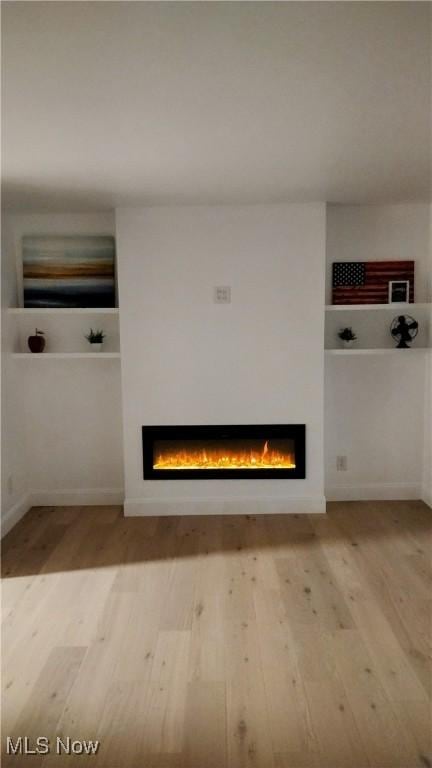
(398, 292)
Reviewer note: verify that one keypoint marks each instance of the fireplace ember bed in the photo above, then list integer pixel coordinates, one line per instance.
(233, 451)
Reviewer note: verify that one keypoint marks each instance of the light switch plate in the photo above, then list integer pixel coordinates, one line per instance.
(222, 294)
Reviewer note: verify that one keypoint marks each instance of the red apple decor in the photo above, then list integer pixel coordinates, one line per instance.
(37, 342)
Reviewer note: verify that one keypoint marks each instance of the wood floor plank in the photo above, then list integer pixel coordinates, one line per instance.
(296, 760)
(164, 725)
(207, 651)
(205, 726)
(389, 658)
(42, 710)
(376, 719)
(121, 726)
(249, 740)
(339, 740)
(288, 714)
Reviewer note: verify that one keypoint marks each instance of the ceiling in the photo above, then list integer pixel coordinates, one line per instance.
(127, 103)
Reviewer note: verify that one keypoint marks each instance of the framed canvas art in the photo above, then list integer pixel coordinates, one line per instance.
(74, 271)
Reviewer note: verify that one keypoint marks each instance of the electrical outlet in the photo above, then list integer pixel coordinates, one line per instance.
(10, 485)
(341, 463)
(222, 294)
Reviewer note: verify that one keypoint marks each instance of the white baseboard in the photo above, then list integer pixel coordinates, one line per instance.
(61, 498)
(224, 506)
(160, 507)
(212, 506)
(375, 492)
(15, 513)
(77, 497)
(426, 495)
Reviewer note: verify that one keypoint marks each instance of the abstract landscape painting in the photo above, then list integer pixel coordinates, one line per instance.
(75, 271)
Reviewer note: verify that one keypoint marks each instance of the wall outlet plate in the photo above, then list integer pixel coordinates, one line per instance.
(222, 294)
(341, 463)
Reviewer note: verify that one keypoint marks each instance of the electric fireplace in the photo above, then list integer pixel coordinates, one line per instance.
(236, 451)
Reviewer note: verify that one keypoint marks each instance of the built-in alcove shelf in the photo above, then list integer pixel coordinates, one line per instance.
(65, 329)
(371, 324)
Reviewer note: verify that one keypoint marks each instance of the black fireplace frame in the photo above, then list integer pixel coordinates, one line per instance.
(296, 432)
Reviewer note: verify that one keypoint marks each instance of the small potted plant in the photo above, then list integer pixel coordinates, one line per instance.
(95, 338)
(347, 337)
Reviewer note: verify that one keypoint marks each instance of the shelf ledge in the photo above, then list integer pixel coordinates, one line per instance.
(390, 351)
(66, 355)
(368, 307)
(63, 311)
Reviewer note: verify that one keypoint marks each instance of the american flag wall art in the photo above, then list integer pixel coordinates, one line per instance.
(367, 282)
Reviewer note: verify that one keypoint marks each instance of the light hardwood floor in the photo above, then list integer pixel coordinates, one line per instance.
(221, 642)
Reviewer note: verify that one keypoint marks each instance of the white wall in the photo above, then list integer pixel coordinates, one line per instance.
(374, 415)
(375, 406)
(186, 360)
(61, 420)
(13, 456)
(73, 431)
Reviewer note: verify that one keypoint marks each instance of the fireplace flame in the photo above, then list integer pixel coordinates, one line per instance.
(225, 458)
